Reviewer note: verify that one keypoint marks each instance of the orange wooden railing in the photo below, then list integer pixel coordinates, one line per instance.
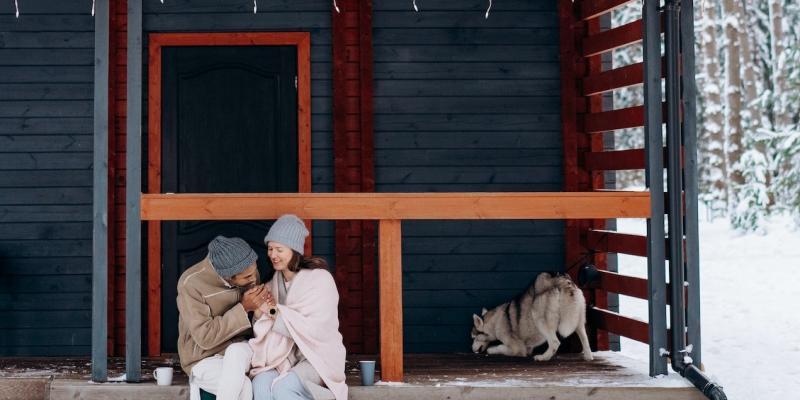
(390, 209)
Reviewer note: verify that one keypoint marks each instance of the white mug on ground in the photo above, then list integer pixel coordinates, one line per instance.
(163, 376)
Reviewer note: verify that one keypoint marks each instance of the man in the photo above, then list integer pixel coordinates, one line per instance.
(213, 325)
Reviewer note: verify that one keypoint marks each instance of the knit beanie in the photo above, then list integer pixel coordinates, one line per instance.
(230, 256)
(288, 230)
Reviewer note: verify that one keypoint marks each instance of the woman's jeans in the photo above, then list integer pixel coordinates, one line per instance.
(290, 387)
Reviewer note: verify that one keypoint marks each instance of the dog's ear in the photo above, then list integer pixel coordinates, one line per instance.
(478, 321)
(484, 311)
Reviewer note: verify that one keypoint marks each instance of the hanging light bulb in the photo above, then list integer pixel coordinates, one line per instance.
(335, 6)
(255, 6)
(16, 7)
(489, 9)
(415, 6)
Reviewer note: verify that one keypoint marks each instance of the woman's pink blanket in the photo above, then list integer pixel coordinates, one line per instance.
(311, 316)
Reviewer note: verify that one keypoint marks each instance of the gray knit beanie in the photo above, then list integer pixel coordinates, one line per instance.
(288, 230)
(230, 256)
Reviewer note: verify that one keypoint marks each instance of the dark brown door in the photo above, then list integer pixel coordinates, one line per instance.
(229, 117)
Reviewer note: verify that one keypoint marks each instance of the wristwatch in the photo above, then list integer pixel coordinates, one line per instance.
(273, 312)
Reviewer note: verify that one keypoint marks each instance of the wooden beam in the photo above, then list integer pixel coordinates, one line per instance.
(369, 291)
(133, 245)
(612, 39)
(230, 39)
(619, 324)
(100, 196)
(391, 300)
(302, 40)
(154, 186)
(376, 206)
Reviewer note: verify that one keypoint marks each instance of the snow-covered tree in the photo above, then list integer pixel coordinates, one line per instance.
(711, 139)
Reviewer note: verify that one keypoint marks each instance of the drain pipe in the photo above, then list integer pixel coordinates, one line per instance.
(680, 363)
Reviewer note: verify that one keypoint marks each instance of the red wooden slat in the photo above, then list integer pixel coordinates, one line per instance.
(595, 8)
(623, 284)
(613, 79)
(615, 242)
(615, 160)
(621, 325)
(630, 117)
(113, 88)
(612, 39)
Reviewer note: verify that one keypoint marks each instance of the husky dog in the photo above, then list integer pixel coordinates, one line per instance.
(552, 304)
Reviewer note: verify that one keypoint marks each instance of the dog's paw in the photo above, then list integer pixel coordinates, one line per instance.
(541, 357)
(588, 356)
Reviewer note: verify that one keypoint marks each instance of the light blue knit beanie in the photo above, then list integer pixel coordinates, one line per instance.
(288, 230)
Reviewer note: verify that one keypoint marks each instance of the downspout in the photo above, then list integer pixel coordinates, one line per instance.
(680, 363)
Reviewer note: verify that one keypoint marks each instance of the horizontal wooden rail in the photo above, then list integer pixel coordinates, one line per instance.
(623, 284)
(596, 8)
(619, 324)
(615, 160)
(631, 117)
(611, 39)
(615, 242)
(377, 206)
(616, 78)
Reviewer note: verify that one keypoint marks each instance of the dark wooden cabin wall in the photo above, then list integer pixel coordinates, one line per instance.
(46, 109)
(467, 104)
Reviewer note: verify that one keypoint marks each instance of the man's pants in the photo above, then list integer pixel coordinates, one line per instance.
(226, 377)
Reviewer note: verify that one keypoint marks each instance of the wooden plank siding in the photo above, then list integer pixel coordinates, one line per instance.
(197, 16)
(46, 127)
(464, 103)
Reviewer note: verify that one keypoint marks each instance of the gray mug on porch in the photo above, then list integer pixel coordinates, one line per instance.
(367, 372)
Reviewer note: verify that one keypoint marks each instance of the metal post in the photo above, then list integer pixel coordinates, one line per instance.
(656, 280)
(675, 184)
(690, 179)
(133, 187)
(100, 196)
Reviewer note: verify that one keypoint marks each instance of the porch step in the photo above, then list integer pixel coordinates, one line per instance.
(63, 389)
(78, 390)
(24, 388)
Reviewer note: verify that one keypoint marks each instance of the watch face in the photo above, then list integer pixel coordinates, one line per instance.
(272, 311)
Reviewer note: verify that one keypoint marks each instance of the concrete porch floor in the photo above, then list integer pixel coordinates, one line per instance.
(428, 376)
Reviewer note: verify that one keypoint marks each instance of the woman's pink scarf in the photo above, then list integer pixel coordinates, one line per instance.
(311, 317)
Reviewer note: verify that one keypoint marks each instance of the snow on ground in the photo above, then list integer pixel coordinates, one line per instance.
(750, 285)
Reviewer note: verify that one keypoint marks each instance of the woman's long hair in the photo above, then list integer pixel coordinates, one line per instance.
(299, 262)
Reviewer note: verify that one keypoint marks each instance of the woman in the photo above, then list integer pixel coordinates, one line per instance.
(297, 348)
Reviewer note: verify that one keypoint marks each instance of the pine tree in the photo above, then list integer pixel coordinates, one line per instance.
(713, 169)
(733, 104)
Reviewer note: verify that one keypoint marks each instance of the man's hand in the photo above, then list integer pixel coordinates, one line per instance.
(253, 298)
